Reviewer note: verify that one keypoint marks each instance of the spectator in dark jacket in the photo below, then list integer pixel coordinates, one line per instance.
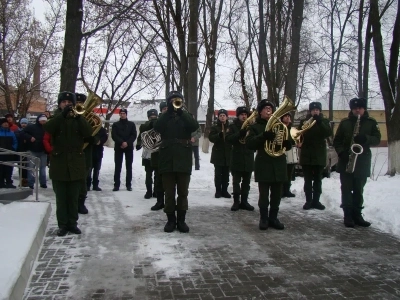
(7, 141)
(34, 135)
(97, 157)
(11, 124)
(22, 147)
(124, 135)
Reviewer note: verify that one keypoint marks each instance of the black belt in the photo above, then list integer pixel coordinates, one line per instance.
(176, 141)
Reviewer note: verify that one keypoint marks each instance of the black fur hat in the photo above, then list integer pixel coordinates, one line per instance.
(263, 103)
(358, 102)
(152, 112)
(66, 96)
(223, 111)
(314, 105)
(174, 94)
(80, 97)
(162, 105)
(241, 110)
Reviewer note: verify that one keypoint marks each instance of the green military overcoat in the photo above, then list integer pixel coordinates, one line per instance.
(221, 150)
(267, 168)
(313, 148)
(175, 152)
(242, 158)
(343, 139)
(67, 160)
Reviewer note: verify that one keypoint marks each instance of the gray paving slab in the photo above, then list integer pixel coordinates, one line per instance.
(224, 256)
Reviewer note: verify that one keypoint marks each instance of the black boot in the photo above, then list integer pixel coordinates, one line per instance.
(96, 188)
(315, 202)
(181, 224)
(148, 192)
(244, 204)
(308, 203)
(171, 223)
(154, 194)
(348, 217)
(224, 191)
(273, 220)
(159, 204)
(74, 229)
(263, 225)
(62, 231)
(81, 206)
(218, 192)
(358, 218)
(236, 202)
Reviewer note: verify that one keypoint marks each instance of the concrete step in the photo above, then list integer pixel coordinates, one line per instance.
(15, 194)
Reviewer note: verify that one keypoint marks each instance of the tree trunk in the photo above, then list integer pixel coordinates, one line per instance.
(392, 108)
(72, 45)
(292, 74)
(360, 49)
(192, 79)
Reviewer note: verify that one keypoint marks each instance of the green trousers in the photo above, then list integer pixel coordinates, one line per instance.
(352, 190)
(180, 181)
(243, 178)
(67, 193)
(83, 186)
(265, 199)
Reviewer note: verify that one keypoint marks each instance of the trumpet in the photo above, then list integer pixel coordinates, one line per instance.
(298, 134)
(177, 103)
(79, 109)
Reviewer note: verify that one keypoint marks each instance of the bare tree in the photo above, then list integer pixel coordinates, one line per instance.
(26, 46)
(388, 81)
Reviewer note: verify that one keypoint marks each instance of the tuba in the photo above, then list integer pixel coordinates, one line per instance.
(274, 124)
(86, 110)
(298, 134)
(247, 123)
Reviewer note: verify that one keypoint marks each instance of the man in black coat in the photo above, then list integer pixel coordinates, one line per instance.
(97, 157)
(124, 135)
(34, 135)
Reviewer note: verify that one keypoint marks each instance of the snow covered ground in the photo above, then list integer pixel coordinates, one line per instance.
(382, 207)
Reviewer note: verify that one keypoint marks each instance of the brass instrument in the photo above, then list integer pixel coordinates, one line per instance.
(274, 124)
(151, 140)
(223, 130)
(355, 149)
(247, 123)
(177, 103)
(86, 110)
(297, 134)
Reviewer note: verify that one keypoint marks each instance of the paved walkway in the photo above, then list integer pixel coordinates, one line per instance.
(224, 256)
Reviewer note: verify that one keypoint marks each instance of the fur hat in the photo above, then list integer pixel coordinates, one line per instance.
(80, 97)
(152, 112)
(358, 102)
(66, 96)
(287, 114)
(314, 105)
(162, 105)
(241, 110)
(223, 111)
(174, 94)
(24, 121)
(263, 103)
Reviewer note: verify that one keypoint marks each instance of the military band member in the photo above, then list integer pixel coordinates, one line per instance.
(152, 114)
(91, 141)
(286, 119)
(175, 160)
(242, 161)
(221, 154)
(313, 155)
(67, 161)
(352, 184)
(196, 135)
(269, 171)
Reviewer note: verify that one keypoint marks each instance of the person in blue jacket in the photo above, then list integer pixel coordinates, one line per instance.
(7, 141)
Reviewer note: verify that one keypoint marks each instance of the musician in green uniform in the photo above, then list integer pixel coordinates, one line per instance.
(67, 161)
(242, 161)
(313, 155)
(286, 119)
(269, 171)
(360, 131)
(175, 159)
(221, 154)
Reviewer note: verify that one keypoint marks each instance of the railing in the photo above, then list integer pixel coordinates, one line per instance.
(22, 164)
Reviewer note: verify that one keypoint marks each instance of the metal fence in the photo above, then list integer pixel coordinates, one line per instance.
(23, 164)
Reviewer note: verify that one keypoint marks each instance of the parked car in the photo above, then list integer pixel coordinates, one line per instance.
(331, 161)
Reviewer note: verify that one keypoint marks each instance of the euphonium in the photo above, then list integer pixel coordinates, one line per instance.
(86, 110)
(274, 124)
(247, 123)
(297, 134)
